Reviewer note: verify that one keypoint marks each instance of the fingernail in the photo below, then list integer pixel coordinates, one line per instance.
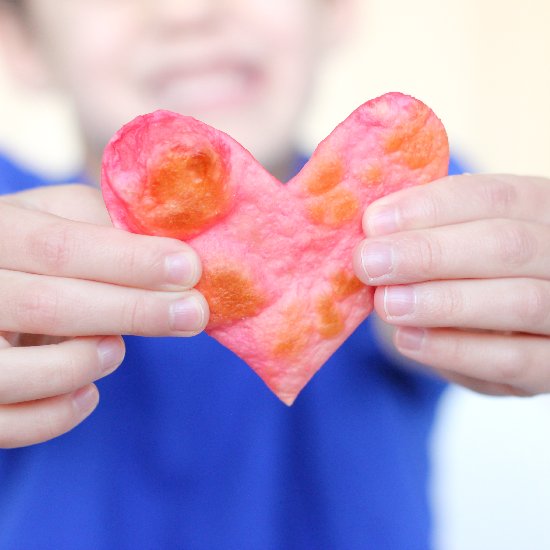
(187, 315)
(383, 221)
(111, 354)
(399, 301)
(182, 269)
(376, 259)
(85, 399)
(409, 338)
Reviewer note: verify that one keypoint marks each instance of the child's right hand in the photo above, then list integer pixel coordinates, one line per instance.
(69, 288)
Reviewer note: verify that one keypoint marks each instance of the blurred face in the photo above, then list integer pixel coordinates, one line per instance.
(244, 66)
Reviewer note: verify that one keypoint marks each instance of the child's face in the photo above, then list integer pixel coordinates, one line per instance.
(244, 66)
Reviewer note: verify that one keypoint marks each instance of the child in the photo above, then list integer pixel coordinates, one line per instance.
(188, 449)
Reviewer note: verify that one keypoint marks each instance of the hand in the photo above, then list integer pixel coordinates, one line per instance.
(74, 286)
(462, 267)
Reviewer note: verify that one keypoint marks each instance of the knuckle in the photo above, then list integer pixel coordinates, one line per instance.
(67, 374)
(512, 364)
(499, 195)
(533, 305)
(428, 255)
(38, 309)
(514, 244)
(130, 259)
(431, 208)
(49, 423)
(137, 258)
(135, 314)
(455, 350)
(54, 420)
(52, 247)
(450, 304)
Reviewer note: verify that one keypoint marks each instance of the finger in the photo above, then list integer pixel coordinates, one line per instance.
(473, 250)
(516, 360)
(518, 305)
(481, 386)
(73, 201)
(39, 304)
(37, 421)
(479, 196)
(38, 242)
(30, 373)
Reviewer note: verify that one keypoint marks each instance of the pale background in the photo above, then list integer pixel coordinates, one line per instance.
(484, 67)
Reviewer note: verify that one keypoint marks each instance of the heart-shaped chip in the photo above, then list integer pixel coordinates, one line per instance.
(277, 258)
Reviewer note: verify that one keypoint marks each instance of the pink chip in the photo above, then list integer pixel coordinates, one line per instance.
(277, 258)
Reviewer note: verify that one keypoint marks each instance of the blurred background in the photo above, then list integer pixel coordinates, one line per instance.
(484, 67)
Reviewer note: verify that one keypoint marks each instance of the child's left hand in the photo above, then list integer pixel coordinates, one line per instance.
(462, 267)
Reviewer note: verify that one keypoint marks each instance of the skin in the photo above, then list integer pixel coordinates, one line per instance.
(65, 285)
(483, 324)
(229, 63)
(67, 278)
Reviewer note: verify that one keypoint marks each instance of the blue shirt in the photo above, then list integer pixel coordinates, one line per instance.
(188, 449)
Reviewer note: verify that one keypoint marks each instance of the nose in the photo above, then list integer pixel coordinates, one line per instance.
(175, 15)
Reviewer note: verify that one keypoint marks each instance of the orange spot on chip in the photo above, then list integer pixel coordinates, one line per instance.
(419, 152)
(334, 209)
(186, 192)
(372, 176)
(329, 320)
(394, 141)
(414, 142)
(231, 295)
(345, 284)
(296, 335)
(326, 174)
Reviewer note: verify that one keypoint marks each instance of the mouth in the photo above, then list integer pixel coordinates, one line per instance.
(206, 87)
